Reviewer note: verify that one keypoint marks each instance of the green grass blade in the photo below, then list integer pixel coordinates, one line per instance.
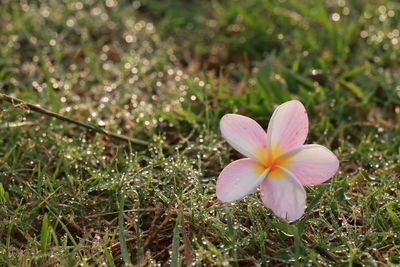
(121, 234)
(44, 233)
(175, 262)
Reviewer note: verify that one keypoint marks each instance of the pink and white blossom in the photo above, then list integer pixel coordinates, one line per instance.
(276, 160)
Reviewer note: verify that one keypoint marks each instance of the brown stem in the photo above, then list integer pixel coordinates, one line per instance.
(132, 210)
(36, 108)
(322, 251)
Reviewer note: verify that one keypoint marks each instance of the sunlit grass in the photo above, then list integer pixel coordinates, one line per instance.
(165, 72)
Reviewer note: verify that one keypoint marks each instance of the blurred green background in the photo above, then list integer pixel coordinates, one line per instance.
(165, 72)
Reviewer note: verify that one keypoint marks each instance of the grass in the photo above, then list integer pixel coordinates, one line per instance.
(165, 72)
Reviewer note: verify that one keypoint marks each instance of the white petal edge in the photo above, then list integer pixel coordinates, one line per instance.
(311, 164)
(244, 134)
(238, 179)
(285, 196)
(288, 126)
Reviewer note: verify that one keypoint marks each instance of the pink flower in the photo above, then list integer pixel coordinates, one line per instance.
(278, 160)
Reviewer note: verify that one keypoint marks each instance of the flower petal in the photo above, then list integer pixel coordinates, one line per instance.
(288, 126)
(283, 194)
(239, 179)
(244, 134)
(311, 164)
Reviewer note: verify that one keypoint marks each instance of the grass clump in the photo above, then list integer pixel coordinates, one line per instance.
(165, 72)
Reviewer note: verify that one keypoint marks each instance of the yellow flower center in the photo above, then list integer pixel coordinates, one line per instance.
(272, 157)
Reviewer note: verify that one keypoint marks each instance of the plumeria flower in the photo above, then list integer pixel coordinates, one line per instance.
(277, 161)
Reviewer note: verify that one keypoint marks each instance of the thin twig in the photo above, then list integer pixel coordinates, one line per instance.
(153, 230)
(322, 251)
(127, 211)
(36, 108)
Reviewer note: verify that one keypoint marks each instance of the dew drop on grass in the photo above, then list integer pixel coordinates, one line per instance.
(287, 234)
